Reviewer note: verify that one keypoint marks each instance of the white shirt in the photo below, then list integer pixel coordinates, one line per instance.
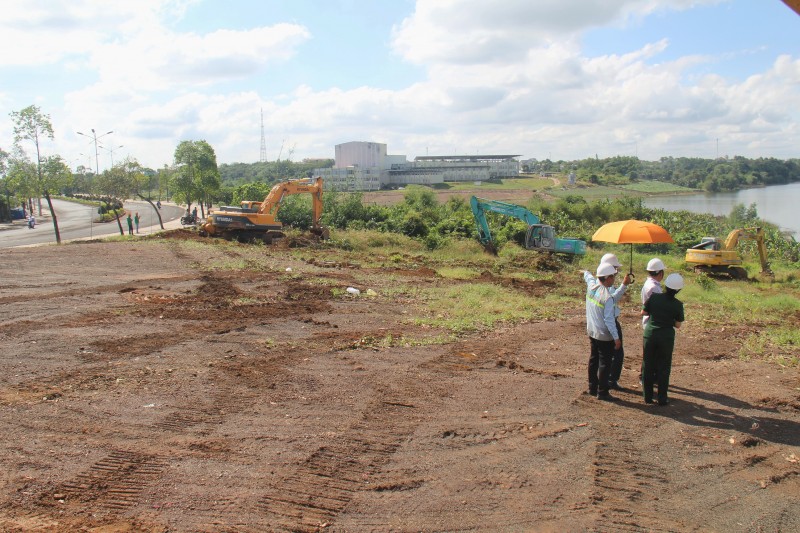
(651, 286)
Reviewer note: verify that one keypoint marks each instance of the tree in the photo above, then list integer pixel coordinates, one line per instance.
(30, 124)
(115, 185)
(142, 180)
(6, 213)
(197, 176)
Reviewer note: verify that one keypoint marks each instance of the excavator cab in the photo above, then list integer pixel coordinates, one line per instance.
(540, 237)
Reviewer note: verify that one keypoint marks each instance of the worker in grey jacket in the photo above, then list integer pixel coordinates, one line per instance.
(602, 329)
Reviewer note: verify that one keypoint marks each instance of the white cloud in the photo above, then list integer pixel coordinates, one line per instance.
(506, 77)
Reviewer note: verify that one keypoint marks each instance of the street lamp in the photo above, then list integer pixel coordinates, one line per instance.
(94, 138)
(111, 151)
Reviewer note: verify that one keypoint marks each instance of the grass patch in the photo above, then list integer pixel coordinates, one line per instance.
(461, 273)
(528, 183)
(656, 187)
(777, 344)
(480, 306)
(594, 192)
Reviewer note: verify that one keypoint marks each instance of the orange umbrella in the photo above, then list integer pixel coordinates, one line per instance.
(632, 232)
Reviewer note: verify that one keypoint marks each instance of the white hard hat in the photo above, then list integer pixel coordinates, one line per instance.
(674, 282)
(655, 264)
(606, 269)
(611, 259)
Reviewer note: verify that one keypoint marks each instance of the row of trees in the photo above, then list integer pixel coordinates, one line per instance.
(24, 180)
(712, 175)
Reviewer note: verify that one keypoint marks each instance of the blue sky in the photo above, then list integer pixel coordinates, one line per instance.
(564, 79)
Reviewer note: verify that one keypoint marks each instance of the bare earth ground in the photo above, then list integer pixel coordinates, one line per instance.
(141, 394)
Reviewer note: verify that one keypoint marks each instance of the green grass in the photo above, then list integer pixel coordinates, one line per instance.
(527, 183)
(480, 306)
(656, 187)
(778, 344)
(594, 192)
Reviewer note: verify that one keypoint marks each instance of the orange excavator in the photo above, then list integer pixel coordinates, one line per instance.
(257, 221)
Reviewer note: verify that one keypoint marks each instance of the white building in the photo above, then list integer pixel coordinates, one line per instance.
(366, 166)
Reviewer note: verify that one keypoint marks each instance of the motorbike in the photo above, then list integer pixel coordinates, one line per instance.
(188, 220)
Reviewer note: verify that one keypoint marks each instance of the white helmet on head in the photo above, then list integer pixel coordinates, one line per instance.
(606, 269)
(655, 264)
(674, 282)
(611, 259)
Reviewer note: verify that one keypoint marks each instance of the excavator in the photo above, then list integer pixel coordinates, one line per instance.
(257, 221)
(715, 257)
(538, 237)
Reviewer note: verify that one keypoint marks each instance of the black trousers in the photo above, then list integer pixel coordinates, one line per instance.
(599, 365)
(617, 358)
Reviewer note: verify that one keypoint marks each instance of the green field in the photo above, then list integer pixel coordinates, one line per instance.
(533, 184)
(657, 187)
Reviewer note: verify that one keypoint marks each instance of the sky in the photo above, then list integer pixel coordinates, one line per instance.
(543, 79)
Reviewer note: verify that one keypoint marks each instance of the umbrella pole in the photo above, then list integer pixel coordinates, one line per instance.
(631, 270)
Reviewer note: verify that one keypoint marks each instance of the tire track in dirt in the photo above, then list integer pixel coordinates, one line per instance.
(116, 482)
(312, 496)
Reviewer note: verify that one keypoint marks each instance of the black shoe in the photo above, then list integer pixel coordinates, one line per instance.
(606, 398)
(648, 401)
(613, 385)
(663, 402)
(592, 392)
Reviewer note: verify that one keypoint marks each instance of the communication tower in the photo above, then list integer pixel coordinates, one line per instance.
(263, 157)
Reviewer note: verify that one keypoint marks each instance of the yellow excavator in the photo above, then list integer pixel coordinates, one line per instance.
(715, 257)
(257, 221)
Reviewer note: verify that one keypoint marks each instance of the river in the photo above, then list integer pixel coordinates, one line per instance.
(776, 204)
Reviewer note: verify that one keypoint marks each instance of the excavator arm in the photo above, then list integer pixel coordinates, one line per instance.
(480, 207)
(274, 199)
(539, 236)
(754, 234)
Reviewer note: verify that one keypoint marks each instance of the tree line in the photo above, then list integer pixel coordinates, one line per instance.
(712, 175)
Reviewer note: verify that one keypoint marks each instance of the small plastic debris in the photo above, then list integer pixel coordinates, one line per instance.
(353, 291)
(288, 269)
(370, 292)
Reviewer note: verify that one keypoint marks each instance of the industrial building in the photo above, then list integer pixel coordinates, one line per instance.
(366, 166)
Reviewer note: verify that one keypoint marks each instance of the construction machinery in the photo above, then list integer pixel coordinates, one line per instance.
(257, 221)
(716, 257)
(538, 236)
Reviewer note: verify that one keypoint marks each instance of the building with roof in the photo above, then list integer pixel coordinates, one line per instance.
(367, 166)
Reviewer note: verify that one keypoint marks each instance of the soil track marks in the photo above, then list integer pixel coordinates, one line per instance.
(143, 392)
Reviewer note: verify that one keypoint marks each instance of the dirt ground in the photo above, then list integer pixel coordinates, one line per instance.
(142, 393)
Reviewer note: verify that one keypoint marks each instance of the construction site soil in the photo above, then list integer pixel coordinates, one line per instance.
(141, 391)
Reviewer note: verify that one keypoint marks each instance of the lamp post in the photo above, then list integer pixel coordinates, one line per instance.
(94, 138)
(111, 151)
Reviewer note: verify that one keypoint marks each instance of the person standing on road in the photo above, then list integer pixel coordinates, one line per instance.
(619, 353)
(194, 215)
(601, 326)
(130, 224)
(31, 221)
(666, 315)
(652, 285)
(136, 221)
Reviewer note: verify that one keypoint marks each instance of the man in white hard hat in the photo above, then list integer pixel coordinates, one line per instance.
(619, 353)
(666, 315)
(652, 285)
(601, 327)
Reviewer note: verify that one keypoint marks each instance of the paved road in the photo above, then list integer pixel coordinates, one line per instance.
(75, 222)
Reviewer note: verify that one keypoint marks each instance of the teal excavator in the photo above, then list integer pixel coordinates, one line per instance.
(538, 237)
